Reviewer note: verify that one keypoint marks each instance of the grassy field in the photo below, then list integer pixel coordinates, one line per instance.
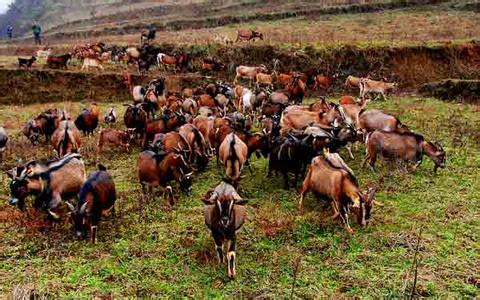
(155, 250)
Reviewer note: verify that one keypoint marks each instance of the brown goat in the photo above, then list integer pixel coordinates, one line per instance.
(51, 183)
(283, 79)
(339, 186)
(233, 152)
(352, 81)
(174, 142)
(197, 143)
(190, 106)
(407, 146)
(206, 100)
(87, 121)
(115, 137)
(323, 82)
(248, 72)
(166, 123)
(205, 125)
(66, 138)
(296, 89)
(374, 119)
(248, 34)
(157, 169)
(225, 213)
(264, 79)
(97, 196)
(299, 119)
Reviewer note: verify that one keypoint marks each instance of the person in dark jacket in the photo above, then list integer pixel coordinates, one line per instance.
(37, 30)
(10, 31)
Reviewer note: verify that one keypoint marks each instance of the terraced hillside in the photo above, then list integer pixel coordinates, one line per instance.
(68, 15)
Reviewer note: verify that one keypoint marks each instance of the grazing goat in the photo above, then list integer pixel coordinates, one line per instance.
(299, 119)
(135, 117)
(197, 143)
(58, 61)
(225, 213)
(157, 169)
(287, 156)
(26, 62)
(47, 122)
(296, 89)
(87, 121)
(168, 121)
(115, 137)
(247, 101)
(111, 118)
(44, 53)
(407, 146)
(205, 125)
(263, 79)
(279, 98)
(51, 182)
(352, 81)
(247, 35)
(66, 139)
(341, 188)
(189, 105)
(323, 82)
(97, 196)
(374, 119)
(92, 62)
(32, 131)
(233, 152)
(3, 141)
(376, 87)
(248, 72)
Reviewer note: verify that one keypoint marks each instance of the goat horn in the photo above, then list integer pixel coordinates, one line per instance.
(70, 206)
(83, 208)
(54, 215)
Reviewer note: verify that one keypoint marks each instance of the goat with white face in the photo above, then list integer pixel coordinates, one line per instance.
(225, 213)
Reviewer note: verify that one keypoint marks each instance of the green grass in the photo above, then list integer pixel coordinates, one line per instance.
(162, 251)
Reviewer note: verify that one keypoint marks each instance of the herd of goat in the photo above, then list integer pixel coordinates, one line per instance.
(180, 133)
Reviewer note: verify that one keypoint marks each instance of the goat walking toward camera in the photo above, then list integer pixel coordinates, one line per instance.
(225, 213)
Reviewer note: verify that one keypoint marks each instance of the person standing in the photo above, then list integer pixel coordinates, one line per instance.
(10, 31)
(37, 30)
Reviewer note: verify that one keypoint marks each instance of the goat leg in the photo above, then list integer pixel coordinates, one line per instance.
(232, 245)
(169, 191)
(218, 238)
(349, 149)
(285, 179)
(93, 233)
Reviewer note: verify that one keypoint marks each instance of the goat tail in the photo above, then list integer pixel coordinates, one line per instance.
(65, 141)
(233, 158)
(101, 167)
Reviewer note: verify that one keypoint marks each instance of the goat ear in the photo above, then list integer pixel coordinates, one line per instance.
(10, 174)
(241, 202)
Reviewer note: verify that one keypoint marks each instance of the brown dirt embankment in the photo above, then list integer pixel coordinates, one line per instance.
(409, 66)
(41, 86)
(453, 89)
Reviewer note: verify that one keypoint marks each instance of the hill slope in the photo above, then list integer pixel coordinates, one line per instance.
(70, 15)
